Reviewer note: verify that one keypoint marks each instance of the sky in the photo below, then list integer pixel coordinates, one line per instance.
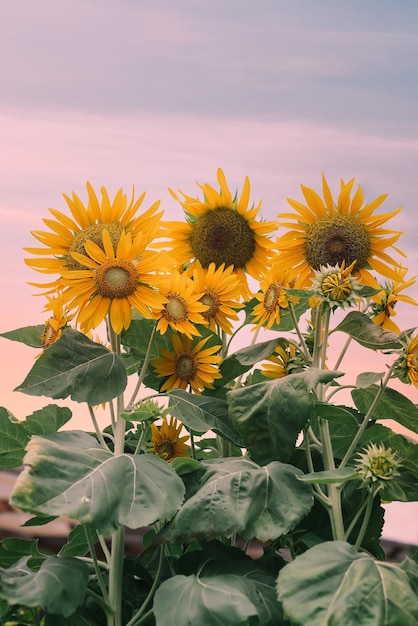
(160, 94)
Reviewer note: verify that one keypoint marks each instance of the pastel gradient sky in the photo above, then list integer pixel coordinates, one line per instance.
(160, 94)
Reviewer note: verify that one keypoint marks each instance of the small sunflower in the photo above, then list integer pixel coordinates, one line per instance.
(336, 286)
(221, 291)
(188, 364)
(166, 441)
(56, 323)
(182, 308)
(285, 360)
(113, 283)
(386, 300)
(69, 234)
(221, 229)
(406, 368)
(328, 234)
(272, 298)
(377, 464)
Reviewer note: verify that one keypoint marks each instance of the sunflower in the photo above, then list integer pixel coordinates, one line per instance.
(328, 234)
(69, 234)
(284, 361)
(221, 229)
(272, 298)
(181, 308)
(412, 361)
(113, 283)
(166, 440)
(336, 287)
(56, 323)
(221, 290)
(188, 364)
(384, 308)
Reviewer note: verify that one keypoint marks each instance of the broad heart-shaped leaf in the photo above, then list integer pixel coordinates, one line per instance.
(59, 586)
(332, 583)
(29, 335)
(367, 333)
(12, 549)
(391, 405)
(77, 367)
(203, 413)
(209, 601)
(270, 415)
(14, 435)
(238, 496)
(13, 439)
(69, 474)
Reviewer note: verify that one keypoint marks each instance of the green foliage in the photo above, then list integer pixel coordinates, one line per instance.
(360, 327)
(29, 335)
(76, 367)
(333, 583)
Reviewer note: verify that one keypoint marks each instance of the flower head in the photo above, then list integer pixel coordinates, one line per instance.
(221, 229)
(68, 235)
(116, 279)
(221, 291)
(166, 440)
(377, 464)
(56, 323)
(182, 308)
(336, 286)
(188, 364)
(386, 300)
(285, 360)
(325, 233)
(406, 368)
(272, 297)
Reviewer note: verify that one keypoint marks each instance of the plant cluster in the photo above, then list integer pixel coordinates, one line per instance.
(255, 475)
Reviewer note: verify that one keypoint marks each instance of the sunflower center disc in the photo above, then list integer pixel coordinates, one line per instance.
(166, 450)
(93, 233)
(271, 297)
(185, 366)
(222, 235)
(176, 308)
(212, 302)
(337, 238)
(116, 281)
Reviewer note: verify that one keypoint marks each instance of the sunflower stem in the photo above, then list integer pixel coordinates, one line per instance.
(303, 347)
(140, 611)
(366, 520)
(96, 565)
(342, 354)
(144, 369)
(367, 417)
(97, 429)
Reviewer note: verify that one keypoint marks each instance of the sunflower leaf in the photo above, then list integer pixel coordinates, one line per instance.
(95, 487)
(270, 415)
(333, 583)
(77, 367)
(13, 439)
(392, 405)
(236, 495)
(59, 586)
(29, 335)
(367, 333)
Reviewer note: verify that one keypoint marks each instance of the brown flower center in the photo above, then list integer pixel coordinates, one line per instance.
(116, 280)
(176, 308)
(93, 233)
(185, 365)
(211, 300)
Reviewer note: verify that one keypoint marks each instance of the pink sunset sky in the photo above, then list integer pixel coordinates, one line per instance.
(160, 94)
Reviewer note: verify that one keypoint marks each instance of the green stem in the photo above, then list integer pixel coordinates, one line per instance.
(144, 618)
(342, 353)
(367, 417)
(303, 346)
(192, 444)
(97, 429)
(144, 368)
(334, 492)
(141, 439)
(366, 520)
(356, 518)
(96, 565)
(138, 614)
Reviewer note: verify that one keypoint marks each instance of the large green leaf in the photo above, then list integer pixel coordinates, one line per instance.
(203, 413)
(12, 549)
(270, 415)
(391, 405)
(77, 367)
(332, 583)
(13, 439)
(68, 473)
(59, 586)
(361, 328)
(206, 600)
(29, 335)
(14, 435)
(236, 495)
